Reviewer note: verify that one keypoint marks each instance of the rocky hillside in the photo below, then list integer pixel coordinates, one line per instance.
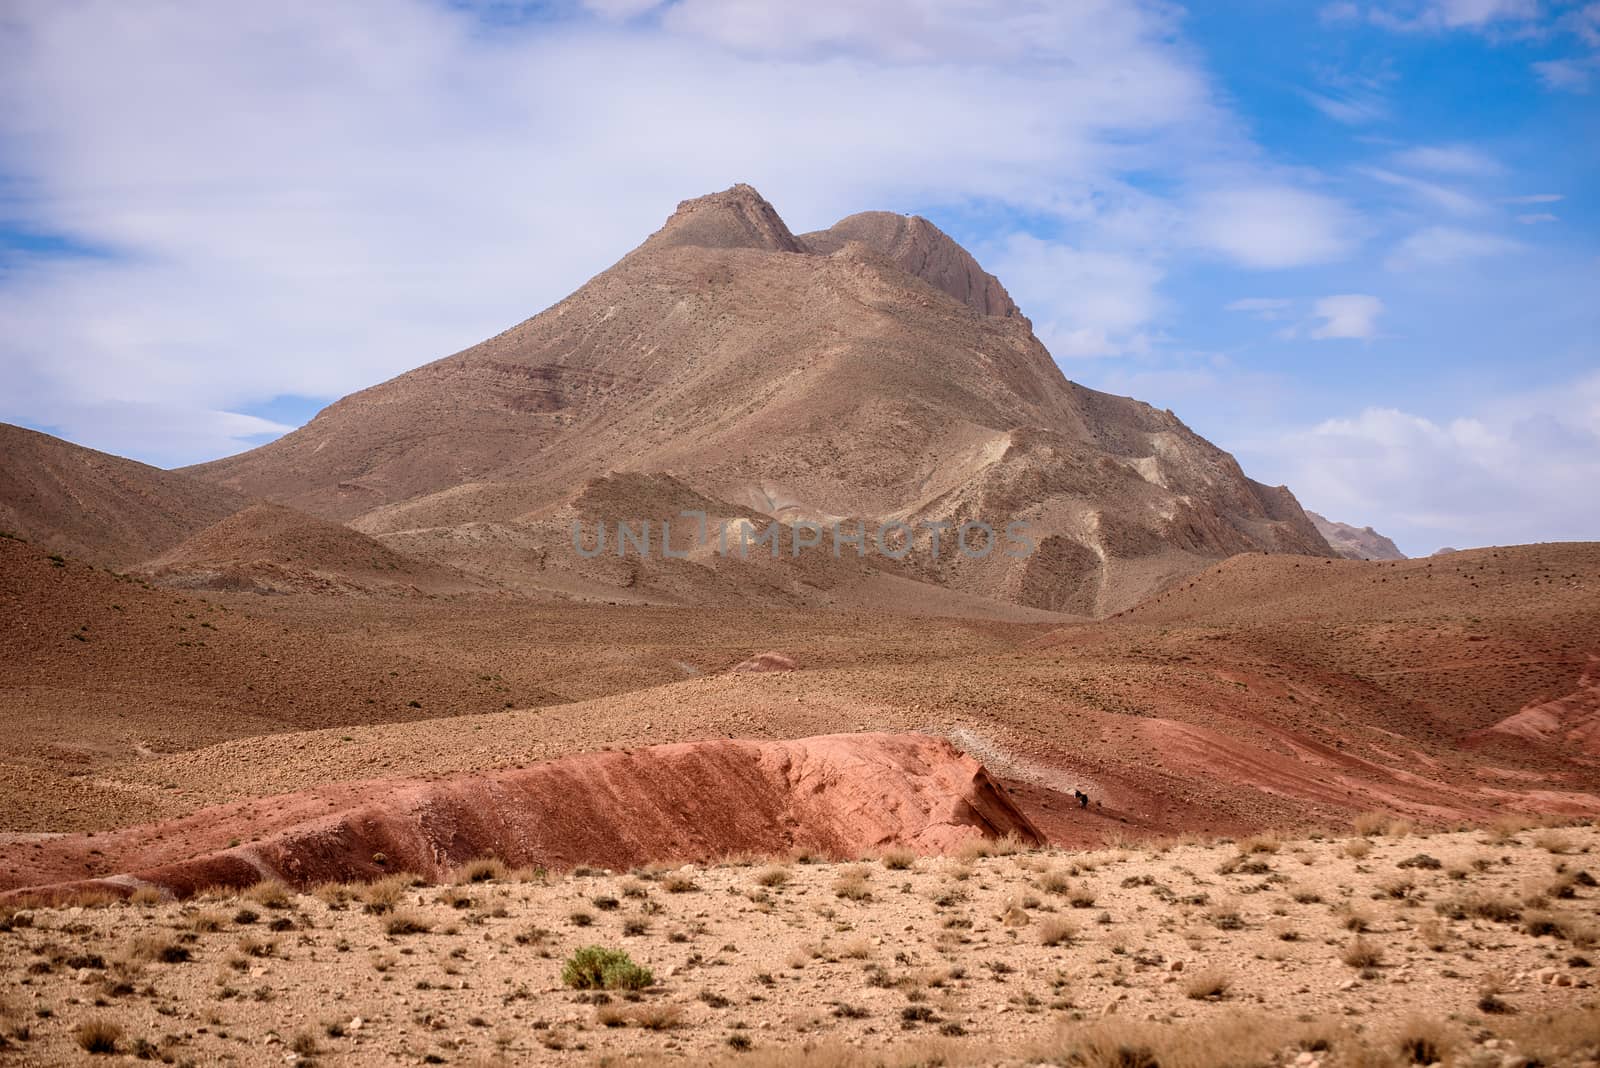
(872, 372)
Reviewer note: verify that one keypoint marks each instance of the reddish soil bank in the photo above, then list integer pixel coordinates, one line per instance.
(842, 795)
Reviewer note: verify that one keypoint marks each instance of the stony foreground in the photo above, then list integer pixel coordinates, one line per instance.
(1392, 947)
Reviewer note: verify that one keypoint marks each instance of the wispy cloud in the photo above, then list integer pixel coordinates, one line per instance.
(1270, 226)
(1569, 75)
(1439, 196)
(1352, 109)
(1084, 303)
(1270, 309)
(1443, 246)
(1347, 315)
(1450, 14)
(1449, 159)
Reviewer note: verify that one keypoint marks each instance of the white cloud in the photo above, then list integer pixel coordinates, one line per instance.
(1455, 13)
(1523, 469)
(1452, 14)
(1536, 217)
(1443, 246)
(1352, 109)
(1534, 198)
(1449, 159)
(1084, 303)
(1347, 315)
(1268, 308)
(620, 9)
(1432, 193)
(1569, 75)
(1267, 226)
(289, 202)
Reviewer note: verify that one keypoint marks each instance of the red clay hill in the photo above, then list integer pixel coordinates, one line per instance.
(840, 796)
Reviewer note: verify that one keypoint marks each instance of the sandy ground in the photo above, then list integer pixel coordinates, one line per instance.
(1468, 936)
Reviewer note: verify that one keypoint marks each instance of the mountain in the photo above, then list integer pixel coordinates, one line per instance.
(1356, 543)
(871, 372)
(98, 507)
(270, 548)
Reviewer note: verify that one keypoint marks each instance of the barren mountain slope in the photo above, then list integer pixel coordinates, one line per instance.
(270, 548)
(98, 668)
(96, 506)
(99, 671)
(1356, 543)
(1315, 697)
(919, 248)
(862, 382)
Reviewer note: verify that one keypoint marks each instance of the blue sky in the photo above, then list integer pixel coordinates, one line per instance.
(1357, 244)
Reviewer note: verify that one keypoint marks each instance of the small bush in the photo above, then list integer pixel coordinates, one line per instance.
(1055, 931)
(406, 922)
(1362, 953)
(1210, 983)
(384, 894)
(898, 859)
(679, 882)
(852, 885)
(98, 1036)
(1553, 841)
(271, 894)
(1424, 1041)
(157, 947)
(482, 870)
(1370, 823)
(598, 968)
(772, 876)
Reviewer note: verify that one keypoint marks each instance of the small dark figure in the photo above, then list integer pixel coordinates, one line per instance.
(1083, 798)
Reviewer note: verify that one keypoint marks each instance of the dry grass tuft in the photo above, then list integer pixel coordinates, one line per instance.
(481, 870)
(384, 894)
(406, 921)
(772, 876)
(1424, 1040)
(270, 894)
(898, 859)
(98, 1036)
(1362, 953)
(1554, 841)
(1057, 931)
(1207, 984)
(852, 885)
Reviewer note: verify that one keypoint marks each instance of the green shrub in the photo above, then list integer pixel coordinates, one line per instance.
(598, 968)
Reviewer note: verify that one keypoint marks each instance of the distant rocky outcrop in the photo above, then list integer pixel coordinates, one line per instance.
(920, 248)
(1356, 543)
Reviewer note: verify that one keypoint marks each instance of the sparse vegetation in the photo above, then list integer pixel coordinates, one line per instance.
(98, 1036)
(598, 968)
(1362, 952)
(1163, 928)
(1207, 984)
